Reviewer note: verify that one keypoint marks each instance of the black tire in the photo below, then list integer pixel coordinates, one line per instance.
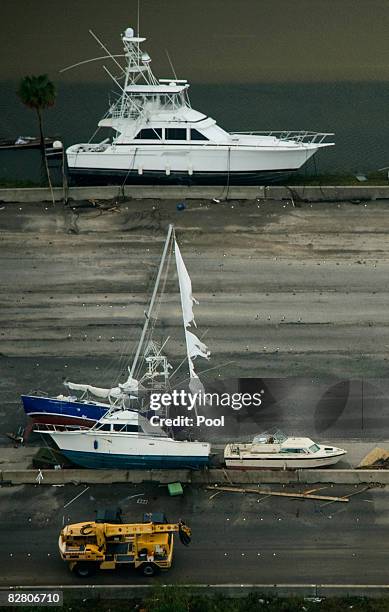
(84, 569)
(148, 569)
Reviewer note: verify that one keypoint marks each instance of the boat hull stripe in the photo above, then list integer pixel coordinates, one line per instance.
(107, 461)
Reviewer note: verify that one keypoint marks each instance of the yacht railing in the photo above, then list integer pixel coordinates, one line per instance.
(40, 427)
(297, 136)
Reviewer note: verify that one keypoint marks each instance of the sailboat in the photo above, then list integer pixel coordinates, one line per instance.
(124, 438)
(93, 402)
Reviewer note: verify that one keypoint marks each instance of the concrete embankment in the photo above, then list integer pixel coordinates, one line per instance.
(306, 193)
(211, 477)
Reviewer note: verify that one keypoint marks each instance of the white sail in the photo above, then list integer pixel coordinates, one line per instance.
(194, 346)
(115, 392)
(187, 299)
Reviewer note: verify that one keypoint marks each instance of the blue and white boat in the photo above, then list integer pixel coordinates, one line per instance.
(124, 440)
(63, 410)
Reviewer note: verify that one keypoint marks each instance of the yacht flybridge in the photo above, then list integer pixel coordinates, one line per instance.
(158, 137)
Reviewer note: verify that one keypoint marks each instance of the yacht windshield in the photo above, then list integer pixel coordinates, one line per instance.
(270, 437)
(147, 428)
(314, 448)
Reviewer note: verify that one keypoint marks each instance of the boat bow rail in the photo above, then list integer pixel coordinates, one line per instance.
(298, 136)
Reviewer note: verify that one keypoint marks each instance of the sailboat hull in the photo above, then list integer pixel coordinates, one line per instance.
(52, 411)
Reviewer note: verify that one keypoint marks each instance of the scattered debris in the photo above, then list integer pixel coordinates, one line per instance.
(279, 493)
(227, 476)
(15, 437)
(175, 488)
(136, 495)
(346, 497)
(378, 458)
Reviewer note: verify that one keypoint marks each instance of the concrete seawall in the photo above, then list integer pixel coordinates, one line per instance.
(211, 477)
(296, 192)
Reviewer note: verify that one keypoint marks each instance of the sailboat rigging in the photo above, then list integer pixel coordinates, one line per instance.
(96, 402)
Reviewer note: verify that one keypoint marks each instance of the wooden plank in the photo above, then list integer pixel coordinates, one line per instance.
(278, 493)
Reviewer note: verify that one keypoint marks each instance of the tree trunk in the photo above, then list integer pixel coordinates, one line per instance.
(43, 154)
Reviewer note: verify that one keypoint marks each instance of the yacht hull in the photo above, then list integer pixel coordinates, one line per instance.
(204, 165)
(139, 462)
(87, 176)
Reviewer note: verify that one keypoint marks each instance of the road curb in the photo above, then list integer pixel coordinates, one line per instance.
(208, 477)
(306, 193)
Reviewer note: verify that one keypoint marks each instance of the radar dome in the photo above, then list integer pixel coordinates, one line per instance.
(129, 33)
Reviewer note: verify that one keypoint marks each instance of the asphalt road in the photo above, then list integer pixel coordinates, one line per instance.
(236, 539)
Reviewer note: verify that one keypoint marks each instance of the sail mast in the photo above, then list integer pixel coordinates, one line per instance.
(152, 301)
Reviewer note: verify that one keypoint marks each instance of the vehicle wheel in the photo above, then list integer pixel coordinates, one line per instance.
(148, 569)
(85, 569)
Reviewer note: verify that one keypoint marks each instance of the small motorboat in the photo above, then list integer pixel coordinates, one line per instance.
(27, 142)
(277, 451)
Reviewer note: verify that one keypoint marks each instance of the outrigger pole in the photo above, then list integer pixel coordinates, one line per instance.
(151, 306)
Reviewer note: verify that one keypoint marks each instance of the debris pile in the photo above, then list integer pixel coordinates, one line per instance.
(377, 459)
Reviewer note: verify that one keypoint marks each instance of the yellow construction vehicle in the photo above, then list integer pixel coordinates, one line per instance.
(148, 546)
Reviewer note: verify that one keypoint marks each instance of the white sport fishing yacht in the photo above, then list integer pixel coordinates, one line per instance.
(277, 451)
(125, 440)
(158, 137)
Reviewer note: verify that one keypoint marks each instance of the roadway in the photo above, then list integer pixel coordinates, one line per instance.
(236, 539)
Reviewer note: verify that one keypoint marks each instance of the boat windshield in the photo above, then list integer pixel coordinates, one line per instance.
(270, 437)
(314, 448)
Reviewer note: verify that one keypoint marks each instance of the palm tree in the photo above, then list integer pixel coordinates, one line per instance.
(38, 92)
